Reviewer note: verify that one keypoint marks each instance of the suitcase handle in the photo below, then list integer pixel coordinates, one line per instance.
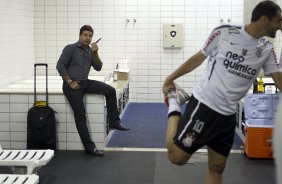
(35, 96)
(40, 64)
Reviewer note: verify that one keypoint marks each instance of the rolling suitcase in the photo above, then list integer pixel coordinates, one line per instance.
(41, 125)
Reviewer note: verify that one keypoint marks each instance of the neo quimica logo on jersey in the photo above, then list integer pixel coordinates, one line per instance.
(234, 64)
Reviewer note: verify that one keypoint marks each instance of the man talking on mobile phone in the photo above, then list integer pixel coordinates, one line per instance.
(74, 65)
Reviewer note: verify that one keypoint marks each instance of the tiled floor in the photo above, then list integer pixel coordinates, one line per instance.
(123, 167)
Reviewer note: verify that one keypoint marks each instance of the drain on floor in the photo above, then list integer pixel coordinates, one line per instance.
(198, 157)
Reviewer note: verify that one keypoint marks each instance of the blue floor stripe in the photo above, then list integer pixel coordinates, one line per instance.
(147, 122)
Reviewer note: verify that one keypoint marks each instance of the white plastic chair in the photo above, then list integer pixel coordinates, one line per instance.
(19, 179)
(31, 159)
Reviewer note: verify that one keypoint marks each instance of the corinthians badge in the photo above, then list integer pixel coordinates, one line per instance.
(188, 140)
(258, 52)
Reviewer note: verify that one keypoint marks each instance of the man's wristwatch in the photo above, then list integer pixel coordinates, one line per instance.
(69, 81)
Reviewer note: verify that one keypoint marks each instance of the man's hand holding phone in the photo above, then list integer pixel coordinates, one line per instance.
(94, 46)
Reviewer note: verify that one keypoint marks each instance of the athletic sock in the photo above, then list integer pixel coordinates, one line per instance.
(173, 108)
(174, 113)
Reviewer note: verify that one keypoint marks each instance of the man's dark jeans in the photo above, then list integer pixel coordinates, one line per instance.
(75, 98)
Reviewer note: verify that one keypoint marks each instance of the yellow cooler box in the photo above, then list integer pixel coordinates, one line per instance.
(258, 138)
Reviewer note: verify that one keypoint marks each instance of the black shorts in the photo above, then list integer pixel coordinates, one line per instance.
(200, 125)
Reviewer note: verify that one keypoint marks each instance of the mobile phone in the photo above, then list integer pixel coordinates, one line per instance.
(98, 40)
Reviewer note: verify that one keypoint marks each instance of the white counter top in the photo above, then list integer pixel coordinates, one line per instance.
(27, 85)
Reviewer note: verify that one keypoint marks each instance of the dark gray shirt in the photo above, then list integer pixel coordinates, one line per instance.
(76, 62)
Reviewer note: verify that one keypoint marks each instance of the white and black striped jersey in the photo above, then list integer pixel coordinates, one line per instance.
(235, 59)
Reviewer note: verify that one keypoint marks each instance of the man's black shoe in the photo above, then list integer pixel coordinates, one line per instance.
(118, 126)
(95, 152)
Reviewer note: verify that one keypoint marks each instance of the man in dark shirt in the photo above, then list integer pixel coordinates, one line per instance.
(74, 65)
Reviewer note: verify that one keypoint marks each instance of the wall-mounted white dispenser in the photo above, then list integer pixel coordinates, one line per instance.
(172, 35)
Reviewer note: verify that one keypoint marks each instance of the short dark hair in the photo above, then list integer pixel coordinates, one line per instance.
(267, 8)
(85, 28)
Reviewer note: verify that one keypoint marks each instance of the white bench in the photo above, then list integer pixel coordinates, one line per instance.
(31, 159)
(19, 179)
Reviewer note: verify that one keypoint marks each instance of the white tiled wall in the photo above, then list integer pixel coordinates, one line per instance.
(277, 42)
(13, 120)
(17, 39)
(57, 23)
(41, 28)
(17, 98)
